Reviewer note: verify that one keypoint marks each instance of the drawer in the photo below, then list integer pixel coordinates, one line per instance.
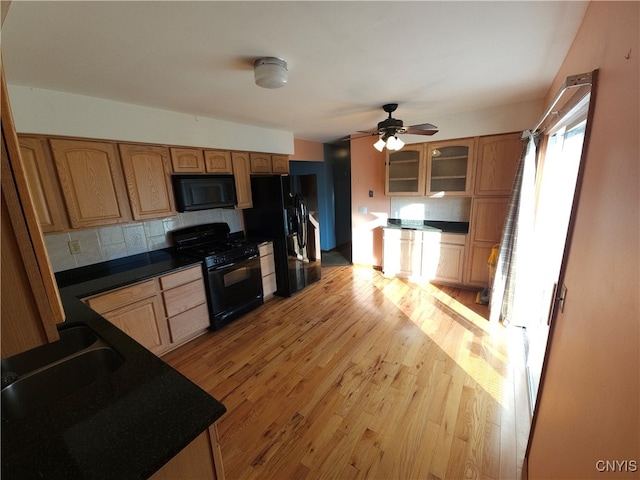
(402, 234)
(269, 285)
(266, 248)
(449, 238)
(267, 265)
(187, 323)
(184, 297)
(181, 277)
(123, 296)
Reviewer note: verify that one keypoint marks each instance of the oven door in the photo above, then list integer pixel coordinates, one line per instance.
(234, 289)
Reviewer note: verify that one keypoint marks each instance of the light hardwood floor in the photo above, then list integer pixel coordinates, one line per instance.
(360, 376)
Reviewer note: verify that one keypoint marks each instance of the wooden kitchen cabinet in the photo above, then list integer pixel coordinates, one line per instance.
(405, 171)
(185, 304)
(450, 167)
(280, 164)
(268, 269)
(443, 257)
(187, 160)
(488, 215)
(201, 459)
(92, 182)
(497, 162)
(242, 177)
(148, 180)
(138, 312)
(29, 299)
(43, 184)
(402, 252)
(268, 163)
(218, 161)
(161, 313)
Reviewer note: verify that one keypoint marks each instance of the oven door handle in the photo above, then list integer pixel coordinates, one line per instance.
(222, 266)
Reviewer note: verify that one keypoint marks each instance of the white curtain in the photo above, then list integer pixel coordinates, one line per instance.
(510, 282)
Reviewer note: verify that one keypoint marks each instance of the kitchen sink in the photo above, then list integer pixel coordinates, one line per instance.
(46, 374)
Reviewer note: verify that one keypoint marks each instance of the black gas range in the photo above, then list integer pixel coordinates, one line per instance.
(231, 269)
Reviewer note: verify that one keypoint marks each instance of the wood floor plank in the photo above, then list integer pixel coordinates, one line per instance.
(365, 377)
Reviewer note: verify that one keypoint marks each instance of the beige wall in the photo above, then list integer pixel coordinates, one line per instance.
(590, 402)
(367, 173)
(307, 150)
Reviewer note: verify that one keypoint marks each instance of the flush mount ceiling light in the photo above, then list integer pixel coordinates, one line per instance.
(270, 72)
(392, 143)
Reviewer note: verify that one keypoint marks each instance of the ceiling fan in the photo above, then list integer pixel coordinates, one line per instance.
(388, 129)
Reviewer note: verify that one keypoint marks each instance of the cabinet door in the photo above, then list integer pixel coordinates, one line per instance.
(261, 163)
(405, 171)
(487, 218)
(92, 183)
(187, 160)
(402, 252)
(201, 459)
(218, 161)
(443, 257)
(280, 164)
(241, 174)
(450, 167)
(498, 158)
(144, 322)
(478, 270)
(146, 173)
(43, 184)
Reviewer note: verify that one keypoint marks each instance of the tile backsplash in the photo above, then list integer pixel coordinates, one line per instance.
(116, 241)
(452, 209)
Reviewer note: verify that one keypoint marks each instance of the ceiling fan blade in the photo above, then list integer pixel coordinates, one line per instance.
(359, 134)
(422, 129)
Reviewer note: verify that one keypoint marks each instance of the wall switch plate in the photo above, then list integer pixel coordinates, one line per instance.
(370, 193)
(74, 247)
(362, 210)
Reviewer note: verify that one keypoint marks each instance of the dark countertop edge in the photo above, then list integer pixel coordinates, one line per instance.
(142, 372)
(431, 225)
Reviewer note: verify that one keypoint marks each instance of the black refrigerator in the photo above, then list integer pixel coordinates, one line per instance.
(281, 209)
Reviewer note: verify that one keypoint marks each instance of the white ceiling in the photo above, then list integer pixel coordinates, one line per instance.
(345, 59)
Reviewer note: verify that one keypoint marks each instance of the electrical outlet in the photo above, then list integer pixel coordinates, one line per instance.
(74, 247)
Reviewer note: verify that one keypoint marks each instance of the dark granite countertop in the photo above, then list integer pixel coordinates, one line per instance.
(430, 225)
(124, 425)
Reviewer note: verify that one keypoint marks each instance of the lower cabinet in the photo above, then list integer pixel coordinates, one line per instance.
(268, 269)
(161, 313)
(138, 312)
(200, 459)
(423, 254)
(443, 256)
(185, 304)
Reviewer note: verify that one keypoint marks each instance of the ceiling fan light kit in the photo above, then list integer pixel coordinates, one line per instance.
(392, 143)
(270, 72)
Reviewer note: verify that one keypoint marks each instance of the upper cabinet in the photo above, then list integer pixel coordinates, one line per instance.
(218, 161)
(187, 160)
(148, 180)
(91, 181)
(43, 184)
(268, 163)
(450, 167)
(31, 304)
(498, 157)
(405, 172)
(241, 175)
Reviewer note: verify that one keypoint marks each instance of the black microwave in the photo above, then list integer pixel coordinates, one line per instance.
(201, 192)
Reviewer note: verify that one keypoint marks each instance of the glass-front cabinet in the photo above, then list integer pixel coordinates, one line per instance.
(405, 171)
(449, 167)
